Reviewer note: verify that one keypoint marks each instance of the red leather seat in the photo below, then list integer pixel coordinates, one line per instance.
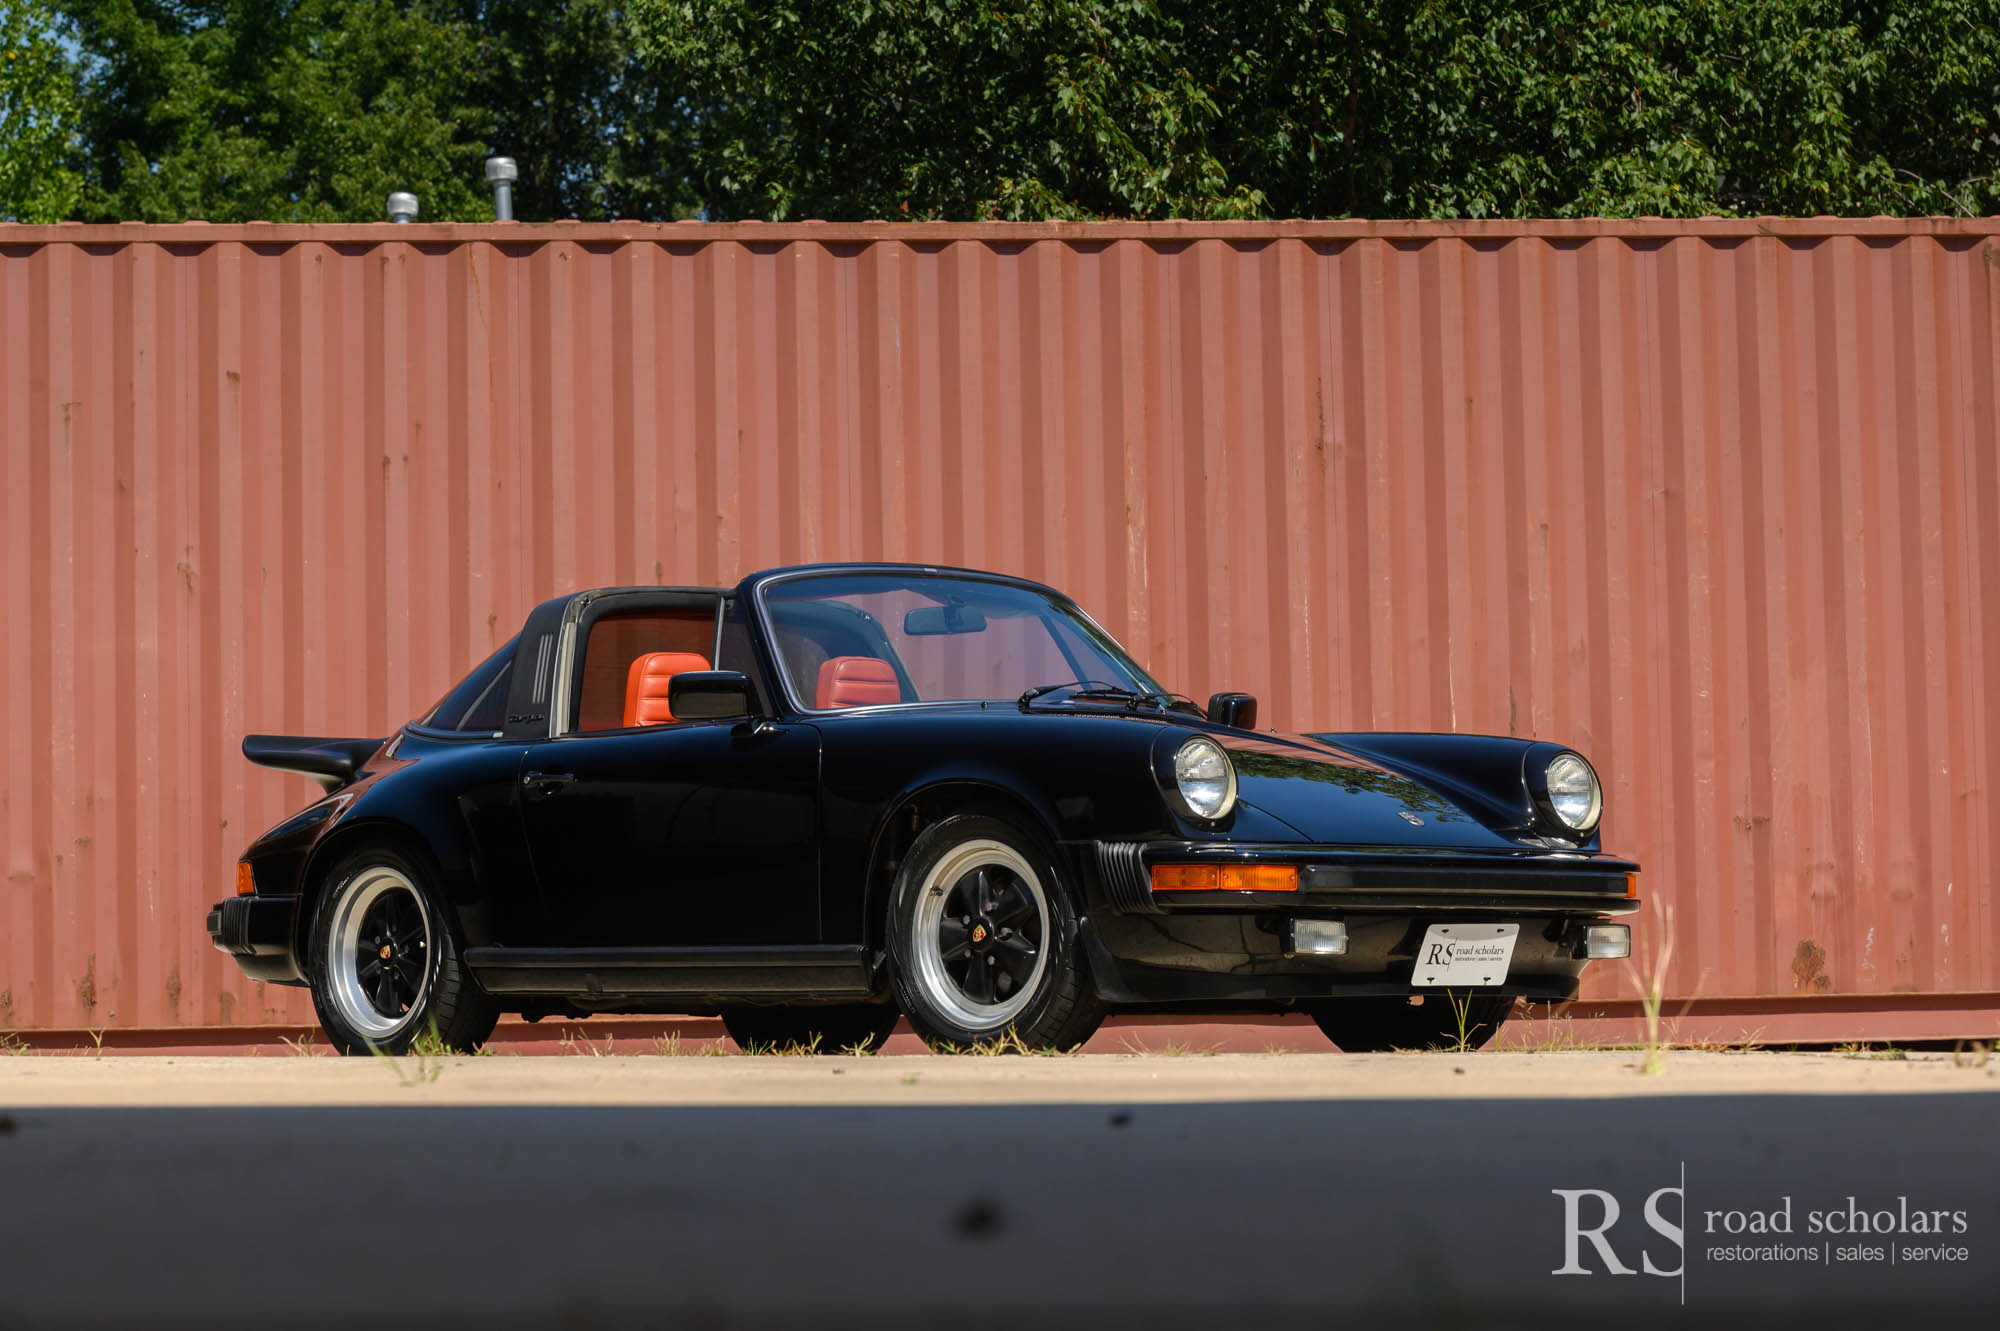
(857, 681)
(646, 685)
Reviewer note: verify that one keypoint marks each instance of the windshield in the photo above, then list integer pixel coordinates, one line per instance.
(862, 639)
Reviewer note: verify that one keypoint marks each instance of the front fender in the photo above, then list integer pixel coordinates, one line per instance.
(1075, 779)
(1487, 775)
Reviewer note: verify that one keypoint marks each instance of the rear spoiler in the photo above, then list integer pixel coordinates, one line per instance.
(331, 762)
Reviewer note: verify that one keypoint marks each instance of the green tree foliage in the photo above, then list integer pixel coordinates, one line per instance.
(314, 110)
(982, 108)
(1421, 108)
(39, 181)
(280, 110)
(564, 95)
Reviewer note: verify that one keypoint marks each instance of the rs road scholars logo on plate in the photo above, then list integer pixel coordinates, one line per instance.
(1465, 955)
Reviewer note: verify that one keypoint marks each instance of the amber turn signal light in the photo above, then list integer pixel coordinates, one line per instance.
(1225, 878)
(245, 884)
(1183, 878)
(1631, 885)
(1260, 878)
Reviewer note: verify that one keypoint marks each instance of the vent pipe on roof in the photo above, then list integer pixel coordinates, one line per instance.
(402, 206)
(501, 173)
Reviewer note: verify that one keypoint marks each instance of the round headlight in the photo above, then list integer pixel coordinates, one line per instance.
(1574, 793)
(1206, 777)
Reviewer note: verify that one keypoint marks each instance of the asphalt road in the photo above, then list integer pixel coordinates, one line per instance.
(1025, 1193)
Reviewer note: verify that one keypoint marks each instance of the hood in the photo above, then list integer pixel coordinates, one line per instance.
(1338, 797)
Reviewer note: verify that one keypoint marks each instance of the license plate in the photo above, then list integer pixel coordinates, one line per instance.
(1465, 956)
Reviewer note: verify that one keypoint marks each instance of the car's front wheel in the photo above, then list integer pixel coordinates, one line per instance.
(982, 940)
(385, 961)
(824, 1029)
(1442, 1020)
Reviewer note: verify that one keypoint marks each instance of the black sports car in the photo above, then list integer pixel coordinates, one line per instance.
(841, 793)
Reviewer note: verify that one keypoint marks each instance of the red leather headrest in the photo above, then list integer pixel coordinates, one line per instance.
(646, 685)
(857, 681)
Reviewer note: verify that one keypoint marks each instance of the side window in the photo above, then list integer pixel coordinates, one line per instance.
(479, 701)
(740, 655)
(618, 640)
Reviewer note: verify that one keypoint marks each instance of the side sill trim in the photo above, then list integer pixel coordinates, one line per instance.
(814, 970)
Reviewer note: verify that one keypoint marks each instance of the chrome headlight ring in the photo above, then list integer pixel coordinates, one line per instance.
(1205, 778)
(1570, 794)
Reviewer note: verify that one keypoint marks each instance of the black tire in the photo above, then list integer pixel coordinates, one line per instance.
(1005, 886)
(1374, 1025)
(374, 898)
(829, 1029)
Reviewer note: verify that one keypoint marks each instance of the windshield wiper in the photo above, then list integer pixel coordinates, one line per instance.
(1096, 690)
(1085, 688)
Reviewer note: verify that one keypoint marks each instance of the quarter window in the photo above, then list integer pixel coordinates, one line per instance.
(478, 703)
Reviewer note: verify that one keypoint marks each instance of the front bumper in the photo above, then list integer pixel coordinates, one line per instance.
(1231, 948)
(258, 931)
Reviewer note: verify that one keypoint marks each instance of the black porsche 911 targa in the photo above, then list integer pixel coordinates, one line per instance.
(843, 793)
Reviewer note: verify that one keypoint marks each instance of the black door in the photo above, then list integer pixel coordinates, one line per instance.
(701, 834)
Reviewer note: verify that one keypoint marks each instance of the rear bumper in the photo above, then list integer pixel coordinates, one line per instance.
(258, 931)
(1230, 948)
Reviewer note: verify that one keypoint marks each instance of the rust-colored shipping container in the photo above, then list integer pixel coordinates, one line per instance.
(1718, 502)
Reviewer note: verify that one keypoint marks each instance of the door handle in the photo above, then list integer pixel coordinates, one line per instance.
(546, 783)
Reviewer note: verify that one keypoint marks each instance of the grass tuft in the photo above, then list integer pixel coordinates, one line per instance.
(1006, 1042)
(1461, 1020)
(302, 1047)
(572, 1043)
(1171, 1049)
(1652, 987)
(422, 1065)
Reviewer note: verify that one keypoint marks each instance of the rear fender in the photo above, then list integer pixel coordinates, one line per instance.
(433, 842)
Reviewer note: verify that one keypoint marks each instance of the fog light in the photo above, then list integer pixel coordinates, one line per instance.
(1607, 942)
(1319, 938)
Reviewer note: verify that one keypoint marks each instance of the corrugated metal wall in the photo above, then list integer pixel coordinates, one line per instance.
(1718, 502)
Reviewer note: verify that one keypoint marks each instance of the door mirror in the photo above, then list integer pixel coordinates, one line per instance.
(1225, 709)
(708, 695)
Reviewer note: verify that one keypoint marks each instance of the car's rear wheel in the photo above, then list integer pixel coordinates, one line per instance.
(386, 966)
(982, 940)
(1443, 1020)
(829, 1029)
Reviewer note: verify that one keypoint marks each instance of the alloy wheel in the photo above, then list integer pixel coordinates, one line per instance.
(379, 953)
(981, 930)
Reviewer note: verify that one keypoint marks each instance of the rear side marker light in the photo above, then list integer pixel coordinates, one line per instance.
(1319, 938)
(1607, 942)
(1225, 878)
(245, 884)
